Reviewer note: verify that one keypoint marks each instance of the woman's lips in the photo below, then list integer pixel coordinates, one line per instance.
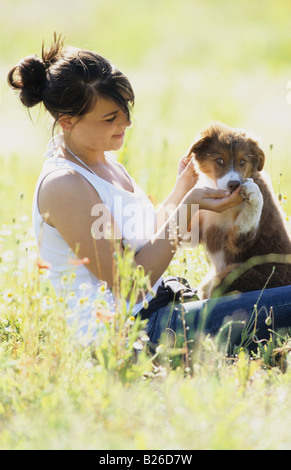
(119, 136)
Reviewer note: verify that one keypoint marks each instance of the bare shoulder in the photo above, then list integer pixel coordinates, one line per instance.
(65, 182)
(63, 189)
(62, 179)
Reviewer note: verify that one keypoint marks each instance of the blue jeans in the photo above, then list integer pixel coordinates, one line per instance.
(231, 316)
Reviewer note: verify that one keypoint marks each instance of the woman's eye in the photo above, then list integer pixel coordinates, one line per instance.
(111, 119)
(219, 161)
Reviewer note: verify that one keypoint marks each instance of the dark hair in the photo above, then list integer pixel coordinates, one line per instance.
(69, 80)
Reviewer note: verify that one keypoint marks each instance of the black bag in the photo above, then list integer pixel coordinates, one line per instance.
(172, 289)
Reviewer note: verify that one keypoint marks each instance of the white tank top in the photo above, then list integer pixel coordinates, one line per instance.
(135, 216)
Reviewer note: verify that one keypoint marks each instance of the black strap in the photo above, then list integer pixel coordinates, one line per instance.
(172, 289)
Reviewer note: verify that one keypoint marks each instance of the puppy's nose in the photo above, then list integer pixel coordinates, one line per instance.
(232, 185)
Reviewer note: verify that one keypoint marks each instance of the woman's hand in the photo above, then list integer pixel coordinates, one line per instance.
(187, 176)
(216, 200)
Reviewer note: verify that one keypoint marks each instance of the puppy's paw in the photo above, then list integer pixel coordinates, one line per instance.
(251, 191)
(205, 287)
(249, 218)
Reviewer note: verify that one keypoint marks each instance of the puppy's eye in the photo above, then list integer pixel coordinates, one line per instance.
(242, 162)
(219, 161)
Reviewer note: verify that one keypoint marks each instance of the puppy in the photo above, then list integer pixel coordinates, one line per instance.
(227, 158)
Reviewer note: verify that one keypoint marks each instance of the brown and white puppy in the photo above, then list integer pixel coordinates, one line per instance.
(226, 158)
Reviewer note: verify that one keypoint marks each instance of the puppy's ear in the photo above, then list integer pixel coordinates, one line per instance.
(210, 136)
(200, 144)
(258, 156)
(261, 159)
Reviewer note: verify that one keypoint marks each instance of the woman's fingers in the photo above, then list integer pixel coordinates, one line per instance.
(217, 200)
(215, 193)
(187, 176)
(226, 202)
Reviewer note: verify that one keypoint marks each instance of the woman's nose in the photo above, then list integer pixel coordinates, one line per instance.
(126, 121)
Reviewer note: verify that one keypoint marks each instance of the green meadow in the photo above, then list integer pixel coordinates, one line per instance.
(190, 62)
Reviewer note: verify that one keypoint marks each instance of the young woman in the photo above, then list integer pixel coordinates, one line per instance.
(90, 100)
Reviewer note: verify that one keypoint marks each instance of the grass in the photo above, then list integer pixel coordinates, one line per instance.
(190, 62)
(117, 395)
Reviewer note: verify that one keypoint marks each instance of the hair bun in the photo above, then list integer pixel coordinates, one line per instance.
(29, 77)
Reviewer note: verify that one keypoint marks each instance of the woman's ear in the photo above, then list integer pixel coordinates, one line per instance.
(66, 123)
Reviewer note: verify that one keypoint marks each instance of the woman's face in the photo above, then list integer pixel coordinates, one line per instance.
(100, 130)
